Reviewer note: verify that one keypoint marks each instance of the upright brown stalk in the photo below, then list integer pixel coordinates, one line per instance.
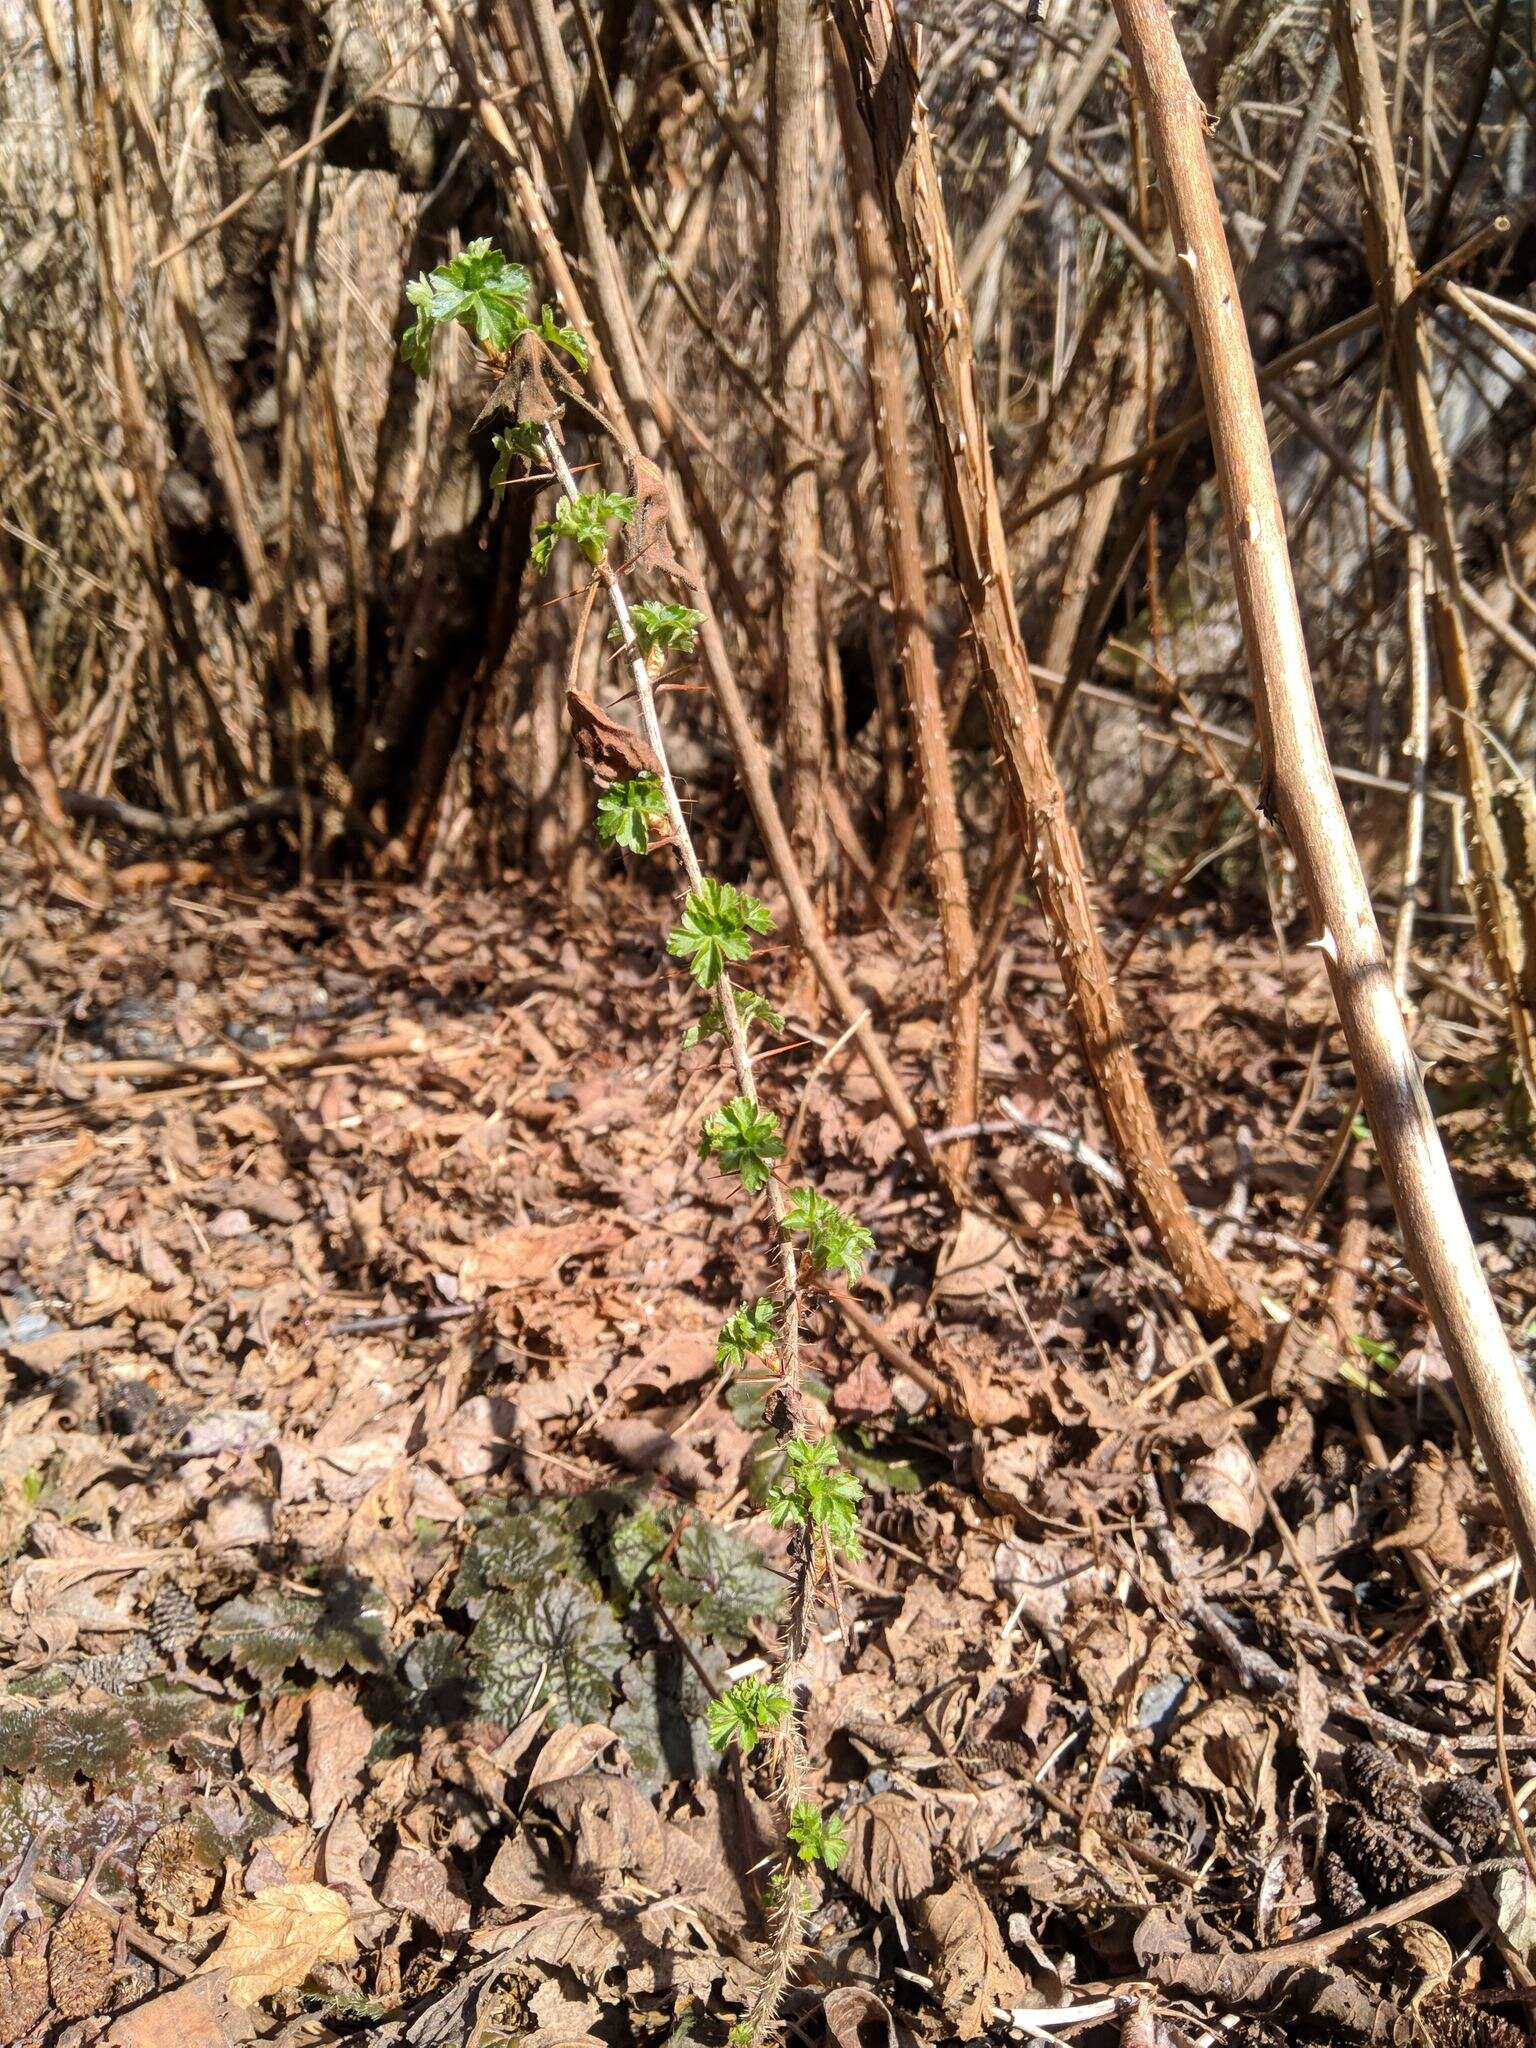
(791, 73)
(26, 739)
(1394, 281)
(886, 86)
(1306, 798)
(909, 599)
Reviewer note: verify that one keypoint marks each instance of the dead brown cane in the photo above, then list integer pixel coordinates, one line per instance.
(1305, 796)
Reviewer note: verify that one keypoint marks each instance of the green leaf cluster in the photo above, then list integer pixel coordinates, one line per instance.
(751, 1709)
(818, 1837)
(583, 519)
(551, 1639)
(266, 1632)
(478, 289)
(820, 1493)
(751, 1008)
(626, 812)
(745, 1139)
(747, 1332)
(520, 443)
(835, 1241)
(658, 624)
(715, 929)
(722, 1580)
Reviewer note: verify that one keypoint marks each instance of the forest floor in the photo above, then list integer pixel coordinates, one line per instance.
(375, 1523)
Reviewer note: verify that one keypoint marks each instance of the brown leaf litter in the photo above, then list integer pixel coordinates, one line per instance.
(376, 1525)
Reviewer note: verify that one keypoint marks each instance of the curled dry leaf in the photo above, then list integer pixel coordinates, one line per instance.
(859, 2018)
(1225, 1482)
(277, 1938)
(972, 1970)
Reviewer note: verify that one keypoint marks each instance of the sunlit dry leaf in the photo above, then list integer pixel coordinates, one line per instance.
(972, 1970)
(277, 1938)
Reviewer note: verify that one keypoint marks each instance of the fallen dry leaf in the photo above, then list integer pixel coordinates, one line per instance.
(277, 1938)
(337, 1738)
(972, 1970)
(197, 2014)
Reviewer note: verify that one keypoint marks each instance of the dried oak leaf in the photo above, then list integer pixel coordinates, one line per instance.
(972, 1970)
(278, 1937)
(23, 1987)
(175, 1881)
(79, 1965)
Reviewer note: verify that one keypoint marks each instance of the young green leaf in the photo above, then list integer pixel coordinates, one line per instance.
(479, 289)
(518, 443)
(627, 810)
(568, 338)
(747, 1332)
(674, 628)
(714, 929)
(745, 1140)
(583, 519)
(818, 1837)
(751, 1008)
(835, 1242)
(818, 1492)
(749, 1710)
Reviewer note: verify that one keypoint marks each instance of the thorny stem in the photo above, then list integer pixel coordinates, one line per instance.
(786, 1916)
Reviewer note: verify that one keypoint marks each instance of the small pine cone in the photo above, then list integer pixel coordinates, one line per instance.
(1384, 1869)
(1383, 1787)
(1468, 1815)
(1450, 2023)
(173, 1620)
(1343, 1899)
(79, 1964)
(175, 1882)
(23, 1987)
(123, 1669)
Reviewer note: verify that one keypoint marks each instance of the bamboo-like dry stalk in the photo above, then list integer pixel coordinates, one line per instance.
(909, 603)
(1394, 281)
(916, 220)
(1306, 798)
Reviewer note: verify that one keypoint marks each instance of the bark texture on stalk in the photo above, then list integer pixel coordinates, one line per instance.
(886, 87)
(1413, 1162)
(791, 111)
(26, 738)
(1394, 281)
(909, 601)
